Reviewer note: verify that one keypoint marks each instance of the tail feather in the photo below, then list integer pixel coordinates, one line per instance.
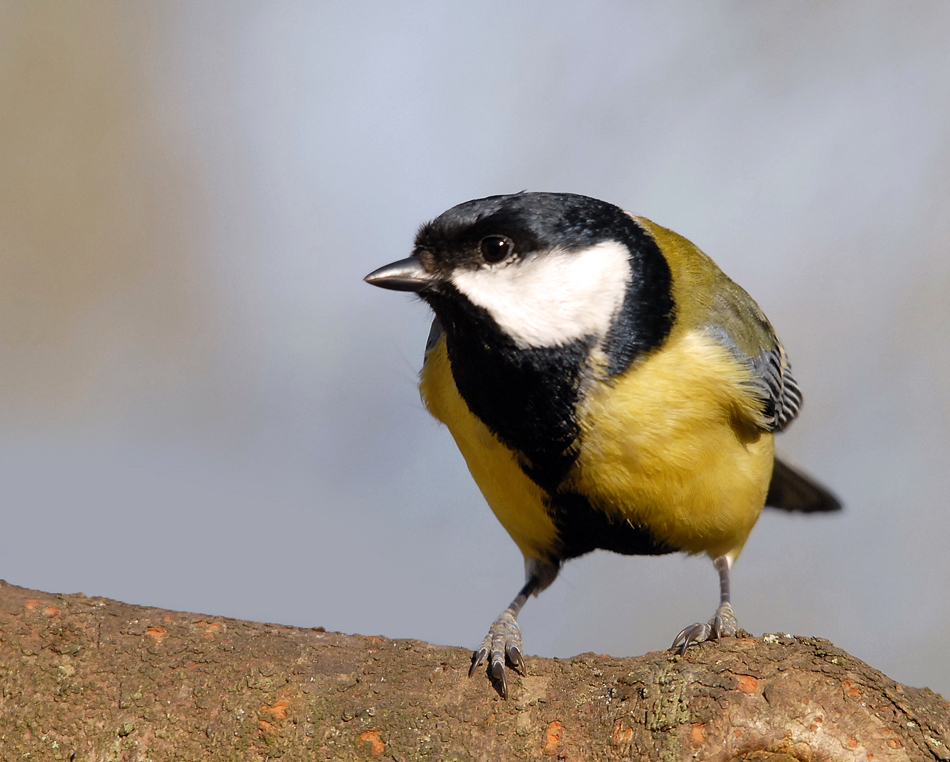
(791, 490)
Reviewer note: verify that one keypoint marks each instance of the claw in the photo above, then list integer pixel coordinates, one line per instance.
(722, 625)
(498, 672)
(694, 633)
(515, 657)
(478, 658)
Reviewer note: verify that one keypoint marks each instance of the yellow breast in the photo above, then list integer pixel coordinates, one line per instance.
(672, 445)
(518, 503)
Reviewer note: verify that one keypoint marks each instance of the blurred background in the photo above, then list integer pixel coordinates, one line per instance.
(203, 407)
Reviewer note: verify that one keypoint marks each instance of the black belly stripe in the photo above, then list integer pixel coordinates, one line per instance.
(582, 528)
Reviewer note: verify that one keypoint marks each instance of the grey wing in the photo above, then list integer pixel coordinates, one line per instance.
(789, 489)
(736, 321)
(777, 387)
(738, 324)
(772, 379)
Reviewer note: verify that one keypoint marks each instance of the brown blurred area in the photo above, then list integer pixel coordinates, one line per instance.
(100, 217)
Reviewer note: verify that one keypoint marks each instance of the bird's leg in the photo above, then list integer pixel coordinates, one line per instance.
(504, 636)
(722, 625)
(504, 640)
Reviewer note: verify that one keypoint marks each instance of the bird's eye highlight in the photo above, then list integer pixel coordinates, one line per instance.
(495, 248)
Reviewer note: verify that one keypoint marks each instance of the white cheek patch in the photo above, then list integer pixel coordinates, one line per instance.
(555, 297)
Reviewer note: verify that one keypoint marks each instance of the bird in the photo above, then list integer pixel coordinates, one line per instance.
(608, 386)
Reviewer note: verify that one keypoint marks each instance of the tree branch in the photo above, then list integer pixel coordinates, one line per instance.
(90, 679)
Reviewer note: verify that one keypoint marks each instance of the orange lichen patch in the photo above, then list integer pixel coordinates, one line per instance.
(50, 611)
(893, 743)
(167, 618)
(852, 742)
(279, 710)
(210, 629)
(266, 726)
(157, 632)
(854, 692)
(622, 735)
(746, 683)
(371, 738)
(697, 734)
(32, 605)
(553, 737)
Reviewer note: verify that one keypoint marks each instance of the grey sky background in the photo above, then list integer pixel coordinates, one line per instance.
(202, 407)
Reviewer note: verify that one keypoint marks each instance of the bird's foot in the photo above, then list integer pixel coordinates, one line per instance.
(503, 641)
(722, 625)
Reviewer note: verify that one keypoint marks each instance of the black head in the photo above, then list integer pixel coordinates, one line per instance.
(469, 235)
(544, 269)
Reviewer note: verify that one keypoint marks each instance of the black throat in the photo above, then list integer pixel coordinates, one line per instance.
(526, 397)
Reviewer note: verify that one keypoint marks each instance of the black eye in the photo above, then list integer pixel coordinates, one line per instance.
(495, 248)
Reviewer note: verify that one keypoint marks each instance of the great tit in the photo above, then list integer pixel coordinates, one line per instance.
(608, 386)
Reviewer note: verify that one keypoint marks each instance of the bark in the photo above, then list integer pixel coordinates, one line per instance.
(92, 679)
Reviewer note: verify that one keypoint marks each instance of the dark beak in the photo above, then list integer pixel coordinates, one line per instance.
(404, 275)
